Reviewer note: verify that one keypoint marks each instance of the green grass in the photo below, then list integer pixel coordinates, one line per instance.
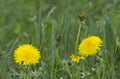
(40, 22)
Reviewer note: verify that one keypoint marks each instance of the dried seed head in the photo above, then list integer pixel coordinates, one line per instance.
(82, 16)
(58, 38)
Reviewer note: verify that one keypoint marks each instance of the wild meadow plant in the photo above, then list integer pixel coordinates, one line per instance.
(26, 55)
(42, 39)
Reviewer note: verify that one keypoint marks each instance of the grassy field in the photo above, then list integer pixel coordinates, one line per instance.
(55, 28)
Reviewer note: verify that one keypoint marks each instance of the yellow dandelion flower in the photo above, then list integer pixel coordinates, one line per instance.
(90, 46)
(26, 54)
(76, 58)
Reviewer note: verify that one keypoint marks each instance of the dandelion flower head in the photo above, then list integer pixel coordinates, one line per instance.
(26, 54)
(90, 46)
(76, 58)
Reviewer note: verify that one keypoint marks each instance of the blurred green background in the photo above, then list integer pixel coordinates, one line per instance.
(39, 22)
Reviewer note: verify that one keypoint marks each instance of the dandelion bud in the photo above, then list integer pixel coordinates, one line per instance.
(82, 16)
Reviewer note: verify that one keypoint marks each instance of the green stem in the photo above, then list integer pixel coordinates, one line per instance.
(64, 66)
(78, 36)
(29, 70)
(52, 66)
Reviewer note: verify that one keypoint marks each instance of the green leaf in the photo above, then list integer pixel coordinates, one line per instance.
(109, 39)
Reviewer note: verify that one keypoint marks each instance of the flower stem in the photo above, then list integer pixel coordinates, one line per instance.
(29, 70)
(64, 66)
(78, 36)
